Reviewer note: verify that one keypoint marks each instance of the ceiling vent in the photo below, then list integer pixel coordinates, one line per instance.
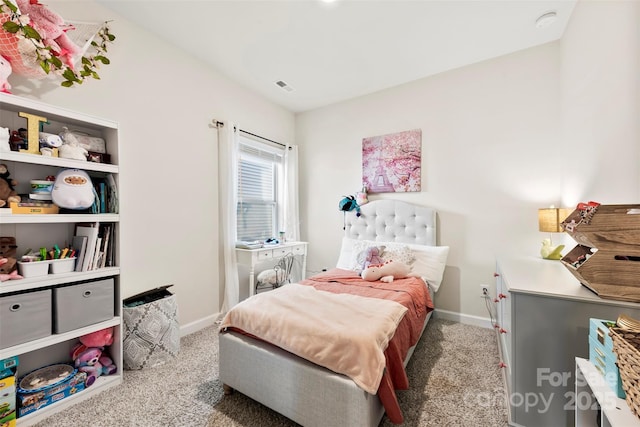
(284, 86)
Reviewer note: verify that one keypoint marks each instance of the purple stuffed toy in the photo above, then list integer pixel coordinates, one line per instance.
(370, 256)
(92, 361)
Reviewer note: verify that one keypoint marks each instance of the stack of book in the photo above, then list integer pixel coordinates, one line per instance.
(94, 245)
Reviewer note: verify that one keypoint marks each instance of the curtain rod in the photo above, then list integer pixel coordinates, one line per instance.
(221, 124)
(261, 137)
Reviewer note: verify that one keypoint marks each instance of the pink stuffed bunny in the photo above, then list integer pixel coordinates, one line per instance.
(386, 272)
(51, 28)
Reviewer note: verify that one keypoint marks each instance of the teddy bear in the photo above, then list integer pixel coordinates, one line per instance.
(8, 192)
(91, 361)
(386, 272)
(88, 355)
(71, 148)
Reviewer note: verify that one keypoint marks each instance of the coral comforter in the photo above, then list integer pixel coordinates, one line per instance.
(354, 327)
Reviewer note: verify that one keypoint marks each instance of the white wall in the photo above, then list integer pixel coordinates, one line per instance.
(164, 102)
(555, 124)
(601, 102)
(489, 133)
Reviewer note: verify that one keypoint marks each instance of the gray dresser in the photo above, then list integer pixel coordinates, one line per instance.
(543, 316)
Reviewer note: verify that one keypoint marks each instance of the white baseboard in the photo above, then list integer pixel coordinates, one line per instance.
(192, 327)
(483, 322)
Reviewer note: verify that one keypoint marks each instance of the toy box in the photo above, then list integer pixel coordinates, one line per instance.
(8, 393)
(9, 363)
(32, 399)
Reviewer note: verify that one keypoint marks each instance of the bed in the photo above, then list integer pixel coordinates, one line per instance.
(305, 392)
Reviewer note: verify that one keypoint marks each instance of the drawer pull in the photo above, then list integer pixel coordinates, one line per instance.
(601, 336)
(16, 307)
(600, 353)
(86, 294)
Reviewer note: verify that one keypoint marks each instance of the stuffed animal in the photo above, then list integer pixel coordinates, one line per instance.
(8, 192)
(88, 355)
(4, 139)
(73, 189)
(386, 272)
(51, 28)
(5, 72)
(71, 148)
(551, 252)
(371, 255)
(13, 275)
(101, 338)
(92, 361)
(347, 204)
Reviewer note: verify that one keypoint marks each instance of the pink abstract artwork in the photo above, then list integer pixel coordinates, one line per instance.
(391, 163)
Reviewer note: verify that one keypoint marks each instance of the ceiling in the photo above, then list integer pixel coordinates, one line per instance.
(330, 52)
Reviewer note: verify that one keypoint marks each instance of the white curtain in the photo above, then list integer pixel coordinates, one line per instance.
(291, 213)
(228, 170)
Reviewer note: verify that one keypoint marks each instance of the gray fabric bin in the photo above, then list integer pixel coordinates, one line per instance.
(25, 317)
(151, 329)
(83, 304)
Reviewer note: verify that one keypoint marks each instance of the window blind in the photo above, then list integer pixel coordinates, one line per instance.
(259, 173)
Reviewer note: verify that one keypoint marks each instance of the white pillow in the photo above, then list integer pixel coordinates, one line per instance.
(390, 251)
(348, 259)
(346, 254)
(429, 264)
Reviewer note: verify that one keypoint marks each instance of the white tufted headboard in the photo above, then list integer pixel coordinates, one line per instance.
(392, 221)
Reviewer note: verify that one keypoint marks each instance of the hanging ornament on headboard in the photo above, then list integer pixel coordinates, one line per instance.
(347, 204)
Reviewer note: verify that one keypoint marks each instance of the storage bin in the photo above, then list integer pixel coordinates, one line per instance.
(33, 268)
(82, 304)
(151, 329)
(25, 317)
(57, 266)
(605, 362)
(625, 346)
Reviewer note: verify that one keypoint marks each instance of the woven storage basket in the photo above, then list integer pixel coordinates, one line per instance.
(625, 345)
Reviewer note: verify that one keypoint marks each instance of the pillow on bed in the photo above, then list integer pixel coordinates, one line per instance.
(430, 262)
(351, 248)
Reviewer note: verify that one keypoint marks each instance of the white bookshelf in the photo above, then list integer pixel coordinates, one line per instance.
(38, 230)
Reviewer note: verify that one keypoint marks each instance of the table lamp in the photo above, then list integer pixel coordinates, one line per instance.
(549, 220)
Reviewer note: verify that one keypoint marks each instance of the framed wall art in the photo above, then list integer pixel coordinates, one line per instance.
(392, 163)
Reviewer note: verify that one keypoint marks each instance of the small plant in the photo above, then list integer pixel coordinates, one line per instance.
(19, 25)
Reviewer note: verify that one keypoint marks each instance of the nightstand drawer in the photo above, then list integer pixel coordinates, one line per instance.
(299, 249)
(265, 255)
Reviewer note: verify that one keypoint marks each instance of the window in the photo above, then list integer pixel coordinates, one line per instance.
(260, 189)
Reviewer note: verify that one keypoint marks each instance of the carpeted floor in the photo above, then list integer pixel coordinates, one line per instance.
(454, 376)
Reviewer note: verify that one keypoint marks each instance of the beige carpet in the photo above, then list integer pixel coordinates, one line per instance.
(454, 375)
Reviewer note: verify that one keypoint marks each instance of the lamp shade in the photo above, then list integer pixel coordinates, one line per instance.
(549, 219)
